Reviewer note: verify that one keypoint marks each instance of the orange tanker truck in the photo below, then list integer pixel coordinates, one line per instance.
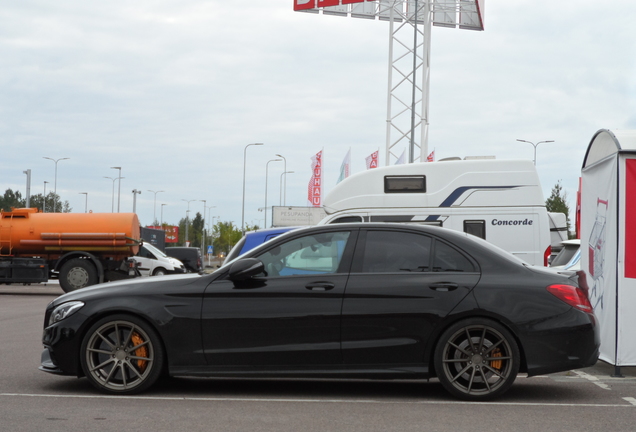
(80, 249)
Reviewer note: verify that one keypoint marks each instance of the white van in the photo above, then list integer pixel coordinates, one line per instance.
(500, 201)
(152, 262)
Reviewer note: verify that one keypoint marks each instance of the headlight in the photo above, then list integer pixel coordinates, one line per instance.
(65, 310)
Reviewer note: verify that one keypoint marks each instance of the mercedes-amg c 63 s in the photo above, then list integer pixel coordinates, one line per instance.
(386, 301)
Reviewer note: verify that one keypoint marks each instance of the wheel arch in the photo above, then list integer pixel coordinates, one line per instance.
(85, 255)
(159, 268)
(82, 332)
(451, 320)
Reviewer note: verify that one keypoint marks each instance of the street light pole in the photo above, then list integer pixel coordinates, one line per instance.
(212, 235)
(266, 168)
(55, 182)
(535, 147)
(44, 198)
(162, 215)
(187, 239)
(285, 186)
(118, 187)
(203, 228)
(243, 205)
(135, 193)
(154, 212)
(281, 182)
(28, 188)
(113, 199)
(86, 204)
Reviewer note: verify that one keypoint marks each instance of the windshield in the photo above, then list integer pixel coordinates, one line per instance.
(156, 252)
(236, 250)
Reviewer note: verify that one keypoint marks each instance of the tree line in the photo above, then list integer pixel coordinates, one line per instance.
(222, 235)
(14, 199)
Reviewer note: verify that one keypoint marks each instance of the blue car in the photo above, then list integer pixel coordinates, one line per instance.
(252, 239)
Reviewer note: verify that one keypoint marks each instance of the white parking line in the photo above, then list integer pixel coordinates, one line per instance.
(339, 401)
(592, 379)
(631, 400)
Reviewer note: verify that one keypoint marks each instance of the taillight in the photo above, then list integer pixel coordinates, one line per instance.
(572, 295)
(546, 256)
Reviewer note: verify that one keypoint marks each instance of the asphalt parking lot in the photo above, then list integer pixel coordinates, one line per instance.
(590, 399)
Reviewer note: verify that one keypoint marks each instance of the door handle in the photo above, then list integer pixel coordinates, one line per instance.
(443, 286)
(320, 286)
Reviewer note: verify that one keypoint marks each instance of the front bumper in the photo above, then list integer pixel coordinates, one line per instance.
(178, 270)
(47, 364)
(61, 347)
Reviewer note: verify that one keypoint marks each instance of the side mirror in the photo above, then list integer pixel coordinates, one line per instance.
(245, 268)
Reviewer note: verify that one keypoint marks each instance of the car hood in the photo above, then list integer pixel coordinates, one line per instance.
(131, 287)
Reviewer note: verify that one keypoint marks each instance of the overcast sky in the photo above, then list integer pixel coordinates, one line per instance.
(173, 91)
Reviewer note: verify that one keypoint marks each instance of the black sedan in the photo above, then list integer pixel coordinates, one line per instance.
(387, 301)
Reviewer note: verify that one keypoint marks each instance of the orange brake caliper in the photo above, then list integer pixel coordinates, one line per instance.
(496, 364)
(140, 352)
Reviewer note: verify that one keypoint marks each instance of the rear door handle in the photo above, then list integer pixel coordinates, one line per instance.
(443, 286)
(320, 286)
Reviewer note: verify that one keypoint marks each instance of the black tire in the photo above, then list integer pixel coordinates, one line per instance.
(122, 354)
(77, 273)
(477, 359)
(159, 272)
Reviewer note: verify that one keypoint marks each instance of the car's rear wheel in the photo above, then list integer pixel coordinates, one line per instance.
(477, 359)
(122, 354)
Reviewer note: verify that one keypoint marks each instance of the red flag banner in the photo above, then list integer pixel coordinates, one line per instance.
(314, 190)
(372, 160)
(431, 157)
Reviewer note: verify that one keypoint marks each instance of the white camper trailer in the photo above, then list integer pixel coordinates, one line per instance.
(500, 201)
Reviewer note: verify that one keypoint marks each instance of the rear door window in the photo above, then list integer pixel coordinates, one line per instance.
(449, 259)
(395, 251)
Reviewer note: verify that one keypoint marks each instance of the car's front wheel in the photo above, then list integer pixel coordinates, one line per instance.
(122, 354)
(477, 359)
(159, 272)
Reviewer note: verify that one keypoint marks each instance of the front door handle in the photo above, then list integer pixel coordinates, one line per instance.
(443, 286)
(320, 286)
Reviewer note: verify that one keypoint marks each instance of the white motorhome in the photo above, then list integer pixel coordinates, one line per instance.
(500, 201)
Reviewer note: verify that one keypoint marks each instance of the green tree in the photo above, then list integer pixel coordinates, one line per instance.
(226, 235)
(557, 202)
(182, 231)
(14, 199)
(11, 199)
(60, 207)
(196, 233)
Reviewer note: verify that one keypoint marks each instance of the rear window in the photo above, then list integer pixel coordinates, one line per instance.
(565, 255)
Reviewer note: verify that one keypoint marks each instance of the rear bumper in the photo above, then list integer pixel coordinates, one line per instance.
(573, 342)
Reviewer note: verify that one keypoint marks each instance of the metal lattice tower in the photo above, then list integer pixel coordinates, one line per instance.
(410, 23)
